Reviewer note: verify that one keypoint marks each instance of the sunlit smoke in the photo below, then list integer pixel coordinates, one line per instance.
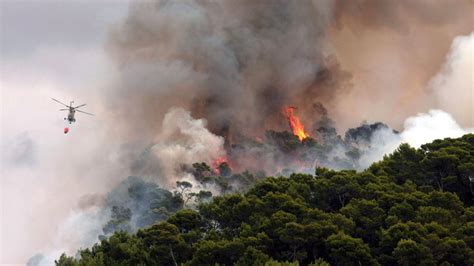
(426, 127)
(453, 86)
(182, 141)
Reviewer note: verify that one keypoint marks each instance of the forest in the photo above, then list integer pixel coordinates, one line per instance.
(414, 207)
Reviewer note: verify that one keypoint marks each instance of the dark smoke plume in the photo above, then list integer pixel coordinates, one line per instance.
(236, 64)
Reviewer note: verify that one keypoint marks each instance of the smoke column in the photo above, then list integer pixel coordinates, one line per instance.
(237, 64)
(234, 64)
(453, 86)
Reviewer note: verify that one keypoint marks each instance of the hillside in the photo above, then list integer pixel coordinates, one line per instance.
(413, 207)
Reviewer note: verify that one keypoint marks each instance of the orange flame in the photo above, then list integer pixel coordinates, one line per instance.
(217, 163)
(295, 123)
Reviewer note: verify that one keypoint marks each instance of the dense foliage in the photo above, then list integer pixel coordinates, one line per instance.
(413, 207)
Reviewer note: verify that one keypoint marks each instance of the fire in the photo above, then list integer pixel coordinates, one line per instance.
(295, 123)
(218, 163)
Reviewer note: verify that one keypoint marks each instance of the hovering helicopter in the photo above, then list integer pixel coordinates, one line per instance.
(72, 111)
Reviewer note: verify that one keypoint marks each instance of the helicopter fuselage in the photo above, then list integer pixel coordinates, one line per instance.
(70, 116)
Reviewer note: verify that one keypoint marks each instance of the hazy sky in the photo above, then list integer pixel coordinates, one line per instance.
(50, 49)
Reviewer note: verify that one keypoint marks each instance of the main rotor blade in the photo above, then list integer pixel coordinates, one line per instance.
(83, 112)
(63, 109)
(59, 102)
(79, 106)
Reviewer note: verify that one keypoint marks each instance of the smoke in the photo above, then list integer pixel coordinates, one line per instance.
(453, 86)
(393, 49)
(426, 127)
(453, 91)
(418, 130)
(235, 64)
(44, 173)
(382, 141)
(21, 151)
(400, 16)
(182, 141)
(135, 203)
(238, 64)
(192, 81)
(79, 229)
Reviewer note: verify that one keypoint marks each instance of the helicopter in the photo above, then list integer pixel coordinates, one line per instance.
(72, 111)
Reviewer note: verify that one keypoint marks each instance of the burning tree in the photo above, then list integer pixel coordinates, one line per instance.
(295, 123)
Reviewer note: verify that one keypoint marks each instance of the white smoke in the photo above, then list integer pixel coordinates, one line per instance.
(454, 84)
(426, 127)
(382, 142)
(453, 88)
(80, 229)
(184, 141)
(418, 130)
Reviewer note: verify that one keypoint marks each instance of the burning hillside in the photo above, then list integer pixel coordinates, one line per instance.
(186, 141)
